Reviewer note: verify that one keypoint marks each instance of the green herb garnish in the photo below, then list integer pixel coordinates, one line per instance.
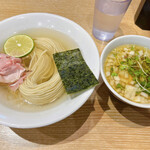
(147, 60)
(119, 86)
(114, 74)
(123, 67)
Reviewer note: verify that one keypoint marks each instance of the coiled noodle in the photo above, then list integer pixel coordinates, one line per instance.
(43, 84)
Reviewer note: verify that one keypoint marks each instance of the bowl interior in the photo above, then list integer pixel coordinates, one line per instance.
(128, 39)
(17, 24)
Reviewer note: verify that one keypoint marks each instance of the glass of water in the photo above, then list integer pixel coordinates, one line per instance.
(107, 17)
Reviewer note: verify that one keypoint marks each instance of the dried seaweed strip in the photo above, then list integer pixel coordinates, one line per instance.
(74, 72)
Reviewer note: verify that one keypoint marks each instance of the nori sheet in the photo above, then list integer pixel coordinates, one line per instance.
(74, 72)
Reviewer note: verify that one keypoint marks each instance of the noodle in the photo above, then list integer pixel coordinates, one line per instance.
(43, 84)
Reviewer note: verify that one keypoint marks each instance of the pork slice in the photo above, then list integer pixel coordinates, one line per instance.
(6, 60)
(11, 71)
(15, 86)
(13, 68)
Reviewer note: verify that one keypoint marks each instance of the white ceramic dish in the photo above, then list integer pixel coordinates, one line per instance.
(128, 39)
(14, 25)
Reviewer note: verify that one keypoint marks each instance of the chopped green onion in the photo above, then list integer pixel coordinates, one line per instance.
(114, 74)
(123, 67)
(147, 60)
(119, 86)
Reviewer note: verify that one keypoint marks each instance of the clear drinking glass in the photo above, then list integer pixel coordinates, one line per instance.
(107, 17)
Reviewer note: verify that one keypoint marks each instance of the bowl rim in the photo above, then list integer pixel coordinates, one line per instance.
(59, 118)
(103, 74)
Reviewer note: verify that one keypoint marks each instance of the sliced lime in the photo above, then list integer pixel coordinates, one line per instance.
(18, 45)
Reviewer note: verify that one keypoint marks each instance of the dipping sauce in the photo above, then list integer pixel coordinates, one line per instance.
(127, 69)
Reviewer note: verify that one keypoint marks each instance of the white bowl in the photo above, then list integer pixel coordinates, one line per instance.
(13, 118)
(127, 39)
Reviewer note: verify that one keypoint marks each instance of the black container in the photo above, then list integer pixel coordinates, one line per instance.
(143, 19)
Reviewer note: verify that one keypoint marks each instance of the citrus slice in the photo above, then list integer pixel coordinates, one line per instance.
(18, 45)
